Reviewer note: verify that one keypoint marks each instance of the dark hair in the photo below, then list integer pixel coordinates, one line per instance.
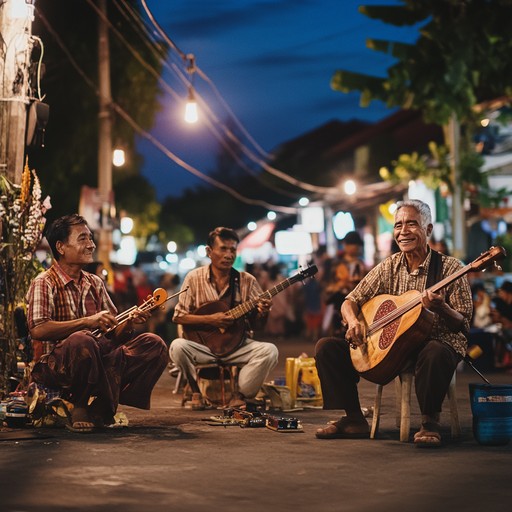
(224, 233)
(506, 286)
(60, 230)
(353, 238)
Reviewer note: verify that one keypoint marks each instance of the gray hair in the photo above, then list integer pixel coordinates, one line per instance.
(422, 208)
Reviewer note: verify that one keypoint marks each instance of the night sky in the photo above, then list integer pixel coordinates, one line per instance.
(272, 62)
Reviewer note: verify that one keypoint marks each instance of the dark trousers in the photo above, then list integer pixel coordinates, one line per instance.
(435, 363)
(83, 366)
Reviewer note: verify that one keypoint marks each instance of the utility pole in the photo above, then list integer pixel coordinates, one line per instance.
(16, 45)
(458, 215)
(104, 139)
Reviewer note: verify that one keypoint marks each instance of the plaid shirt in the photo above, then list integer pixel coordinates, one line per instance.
(53, 295)
(392, 277)
(201, 289)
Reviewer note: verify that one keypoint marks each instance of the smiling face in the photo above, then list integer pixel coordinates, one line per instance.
(410, 235)
(79, 247)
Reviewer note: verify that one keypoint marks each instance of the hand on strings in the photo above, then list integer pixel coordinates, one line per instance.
(355, 334)
(221, 320)
(138, 316)
(104, 320)
(264, 306)
(434, 301)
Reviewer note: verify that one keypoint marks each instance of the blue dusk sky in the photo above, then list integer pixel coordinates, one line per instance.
(272, 62)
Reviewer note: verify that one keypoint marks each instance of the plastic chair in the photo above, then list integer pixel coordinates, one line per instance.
(403, 388)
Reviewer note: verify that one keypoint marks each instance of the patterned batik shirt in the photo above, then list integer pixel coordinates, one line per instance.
(53, 295)
(391, 276)
(201, 289)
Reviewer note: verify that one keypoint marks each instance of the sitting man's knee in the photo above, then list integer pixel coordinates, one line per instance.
(325, 346)
(176, 349)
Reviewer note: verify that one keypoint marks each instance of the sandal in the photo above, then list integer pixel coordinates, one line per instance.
(80, 427)
(79, 421)
(345, 428)
(428, 436)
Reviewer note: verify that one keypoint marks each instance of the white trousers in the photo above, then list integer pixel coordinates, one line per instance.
(255, 358)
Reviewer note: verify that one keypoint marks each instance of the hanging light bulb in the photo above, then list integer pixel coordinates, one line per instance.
(191, 107)
(118, 157)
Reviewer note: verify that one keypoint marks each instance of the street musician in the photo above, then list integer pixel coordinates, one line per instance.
(93, 353)
(436, 357)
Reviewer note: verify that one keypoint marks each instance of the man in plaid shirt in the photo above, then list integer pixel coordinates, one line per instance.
(65, 305)
(435, 361)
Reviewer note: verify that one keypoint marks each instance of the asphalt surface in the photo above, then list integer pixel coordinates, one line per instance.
(173, 459)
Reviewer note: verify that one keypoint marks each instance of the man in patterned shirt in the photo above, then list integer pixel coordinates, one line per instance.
(437, 358)
(220, 282)
(65, 305)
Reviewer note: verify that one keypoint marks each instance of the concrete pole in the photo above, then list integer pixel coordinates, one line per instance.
(16, 31)
(452, 134)
(104, 139)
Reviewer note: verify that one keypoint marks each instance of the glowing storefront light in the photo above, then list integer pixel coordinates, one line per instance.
(312, 219)
(342, 223)
(293, 242)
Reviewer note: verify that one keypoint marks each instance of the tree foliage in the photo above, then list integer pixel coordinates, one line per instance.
(462, 57)
(69, 158)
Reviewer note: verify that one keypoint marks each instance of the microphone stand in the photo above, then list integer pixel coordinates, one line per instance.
(469, 362)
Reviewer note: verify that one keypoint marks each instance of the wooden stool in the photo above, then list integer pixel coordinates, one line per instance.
(403, 388)
(215, 371)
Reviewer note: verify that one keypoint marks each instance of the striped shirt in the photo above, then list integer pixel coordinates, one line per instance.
(391, 276)
(201, 289)
(53, 295)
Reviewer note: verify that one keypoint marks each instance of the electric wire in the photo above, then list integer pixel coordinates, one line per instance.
(120, 111)
(270, 169)
(212, 125)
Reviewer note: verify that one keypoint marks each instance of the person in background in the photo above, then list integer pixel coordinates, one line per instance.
(434, 362)
(347, 271)
(66, 307)
(481, 307)
(501, 314)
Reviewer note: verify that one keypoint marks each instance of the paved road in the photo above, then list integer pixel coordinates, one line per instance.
(170, 459)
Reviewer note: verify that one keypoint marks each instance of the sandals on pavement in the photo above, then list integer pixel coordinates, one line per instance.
(429, 436)
(79, 421)
(345, 428)
(80, 427)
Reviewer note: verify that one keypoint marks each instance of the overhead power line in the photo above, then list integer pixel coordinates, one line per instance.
(270, 169)
(120, 111)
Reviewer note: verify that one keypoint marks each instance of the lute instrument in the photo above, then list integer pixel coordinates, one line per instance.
(225, 341)
(396, 326)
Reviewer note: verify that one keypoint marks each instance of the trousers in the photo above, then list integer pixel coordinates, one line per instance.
(83, 366)
(256, 359)
(434, 365)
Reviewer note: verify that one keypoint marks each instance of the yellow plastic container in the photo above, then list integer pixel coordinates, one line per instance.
(303, 381)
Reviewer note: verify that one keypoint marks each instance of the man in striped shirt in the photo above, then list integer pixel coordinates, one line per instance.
(219, 283)
(435, 361)
(65, 305)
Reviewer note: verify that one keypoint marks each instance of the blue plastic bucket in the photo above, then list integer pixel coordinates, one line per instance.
(491, 406)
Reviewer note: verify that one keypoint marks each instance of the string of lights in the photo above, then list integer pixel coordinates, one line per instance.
(270, 169)
(211, 124)
(123, 114)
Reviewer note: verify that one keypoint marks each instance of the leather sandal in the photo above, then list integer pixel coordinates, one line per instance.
(428, 436)
(345, 428)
